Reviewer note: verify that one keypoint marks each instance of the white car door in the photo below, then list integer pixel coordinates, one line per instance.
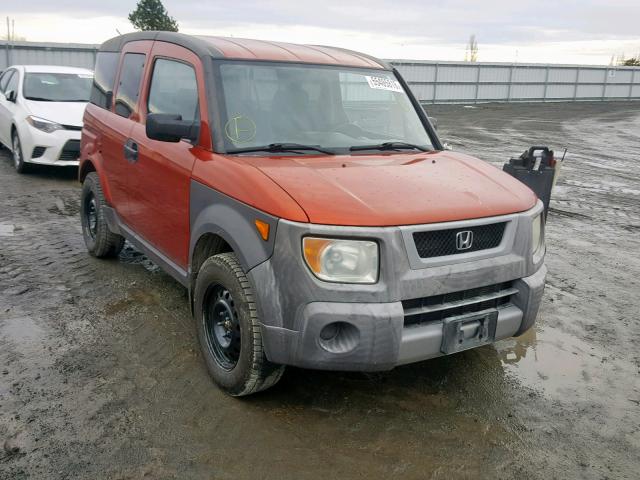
(8, 82)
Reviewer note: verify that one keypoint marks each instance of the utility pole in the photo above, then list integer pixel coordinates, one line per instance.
(7, 44)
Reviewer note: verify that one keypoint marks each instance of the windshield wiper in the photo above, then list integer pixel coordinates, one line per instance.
(389, 146)
(282, 147)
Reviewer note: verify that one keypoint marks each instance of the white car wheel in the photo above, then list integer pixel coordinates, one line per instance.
(18, 160)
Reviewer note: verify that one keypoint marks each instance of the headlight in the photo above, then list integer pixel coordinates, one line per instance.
(44, 125)
(346, 261)
(537, 238)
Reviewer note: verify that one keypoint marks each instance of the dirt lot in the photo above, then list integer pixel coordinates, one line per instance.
(100, 374)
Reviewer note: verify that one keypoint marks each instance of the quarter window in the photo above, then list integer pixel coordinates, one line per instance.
(104, 77)
(174, 90)
(129, 86)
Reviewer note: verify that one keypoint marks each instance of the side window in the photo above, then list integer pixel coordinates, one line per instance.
(104, 77)
(13, 83)
(129, 86)
(4, 80)
(174, 89)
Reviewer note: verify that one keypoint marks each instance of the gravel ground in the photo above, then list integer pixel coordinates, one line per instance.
(100, 374)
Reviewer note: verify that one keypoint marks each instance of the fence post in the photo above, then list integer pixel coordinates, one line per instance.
(510, 82)
(633, 79)
(477, 82)
(604, 85)
(546, 85)
(575, 86)
(435, 84)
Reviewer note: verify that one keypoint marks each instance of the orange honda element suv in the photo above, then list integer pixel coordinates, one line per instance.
(303, 198)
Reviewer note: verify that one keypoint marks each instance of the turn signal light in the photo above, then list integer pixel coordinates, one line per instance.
(263, 229)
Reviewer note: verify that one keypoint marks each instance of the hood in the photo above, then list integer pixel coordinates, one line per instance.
(396, 189)
(64, 113)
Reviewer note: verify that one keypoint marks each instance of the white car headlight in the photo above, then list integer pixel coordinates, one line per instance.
(537, 238)
(344, 261)
(44, 125)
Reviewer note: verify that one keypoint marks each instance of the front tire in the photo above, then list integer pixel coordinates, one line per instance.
(18, 158)
(229, 329)
(100, 241)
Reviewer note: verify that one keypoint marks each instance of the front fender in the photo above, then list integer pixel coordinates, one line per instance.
(234, 221)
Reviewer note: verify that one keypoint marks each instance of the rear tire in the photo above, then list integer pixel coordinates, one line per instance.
(100, 241)
(229, 329)
(18, 158)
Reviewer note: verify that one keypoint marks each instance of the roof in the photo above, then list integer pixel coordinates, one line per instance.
(53, 69)
(247, 49)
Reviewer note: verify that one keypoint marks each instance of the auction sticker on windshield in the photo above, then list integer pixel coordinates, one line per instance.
(384, 83)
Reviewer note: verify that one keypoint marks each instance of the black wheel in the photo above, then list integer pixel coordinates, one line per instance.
(229, 330)
(100, 241)
(18, 158)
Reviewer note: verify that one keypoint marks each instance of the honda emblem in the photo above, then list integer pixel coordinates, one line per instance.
(464, 240)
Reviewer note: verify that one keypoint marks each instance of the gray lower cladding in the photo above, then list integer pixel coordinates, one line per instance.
(294, 306)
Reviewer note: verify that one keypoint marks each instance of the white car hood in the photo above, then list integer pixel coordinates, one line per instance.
(64, 113)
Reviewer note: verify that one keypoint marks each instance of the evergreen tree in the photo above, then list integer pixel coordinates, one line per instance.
(151, 15)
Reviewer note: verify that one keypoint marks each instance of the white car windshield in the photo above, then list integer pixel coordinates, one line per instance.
(334, 108)
(57, 87)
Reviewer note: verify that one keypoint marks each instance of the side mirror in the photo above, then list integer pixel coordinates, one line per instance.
(168, 127)
(11, 95)
(434, 122)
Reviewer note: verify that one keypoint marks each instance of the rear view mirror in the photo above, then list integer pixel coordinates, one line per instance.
(11, 95)
(168, 127)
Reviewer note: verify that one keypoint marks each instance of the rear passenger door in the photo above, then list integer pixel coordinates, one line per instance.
(124, 113)
(161, 177)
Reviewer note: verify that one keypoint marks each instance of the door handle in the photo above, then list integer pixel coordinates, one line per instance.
(131, 151)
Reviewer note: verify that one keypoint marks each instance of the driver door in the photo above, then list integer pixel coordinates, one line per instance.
(8, 81)
(160, 178)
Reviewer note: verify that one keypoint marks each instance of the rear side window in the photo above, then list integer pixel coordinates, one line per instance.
(129, 86)
(104, 77)
(174, 89)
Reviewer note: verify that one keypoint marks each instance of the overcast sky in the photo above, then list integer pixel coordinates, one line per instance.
(560, 31)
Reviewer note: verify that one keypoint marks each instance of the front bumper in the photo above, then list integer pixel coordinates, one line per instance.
(49, 148)
(295, 307)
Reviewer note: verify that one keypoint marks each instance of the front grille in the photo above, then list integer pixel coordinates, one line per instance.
(439, 243)
(439, 307)
(70, 151)
(38, 152)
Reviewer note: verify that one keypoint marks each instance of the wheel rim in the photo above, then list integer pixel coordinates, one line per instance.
(91, 215)
(17, 154)
(221, 326)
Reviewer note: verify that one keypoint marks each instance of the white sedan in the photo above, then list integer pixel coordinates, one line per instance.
(41, 109)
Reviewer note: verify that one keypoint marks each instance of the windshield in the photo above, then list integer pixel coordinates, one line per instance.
(335, 108)
(57, 87)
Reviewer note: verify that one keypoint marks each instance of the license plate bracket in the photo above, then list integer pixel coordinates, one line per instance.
(467, 331)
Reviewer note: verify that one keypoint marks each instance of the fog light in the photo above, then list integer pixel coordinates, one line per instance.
(339, 337)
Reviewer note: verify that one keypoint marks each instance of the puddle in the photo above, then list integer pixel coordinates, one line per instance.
(565, 368)
(25, 336)
(6, 230)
